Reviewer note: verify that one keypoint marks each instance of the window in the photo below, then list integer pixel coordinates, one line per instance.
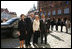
(66, 11)
(59, 11)
(54, 12)
(50, 2)
(41, 13)
(49, 13)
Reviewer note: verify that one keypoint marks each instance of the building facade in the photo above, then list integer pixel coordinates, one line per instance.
(6, 15)
(13, 14)
(57, 9)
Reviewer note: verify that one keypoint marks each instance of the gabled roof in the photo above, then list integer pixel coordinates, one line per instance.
(6, 10)
(14, 13)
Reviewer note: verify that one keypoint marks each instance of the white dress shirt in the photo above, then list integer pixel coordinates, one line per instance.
(36, 25)
(43, 19)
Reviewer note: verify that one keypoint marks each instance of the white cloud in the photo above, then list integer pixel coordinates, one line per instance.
(20, 7)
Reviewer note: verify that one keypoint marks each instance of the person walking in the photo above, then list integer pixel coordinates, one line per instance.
(62, 23)
(48, 25)
(56, 24)
(52, 23)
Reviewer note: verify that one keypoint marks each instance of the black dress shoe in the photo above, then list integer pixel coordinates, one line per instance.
(41, 42)
(26, 46)
(61, 31)
(45, 42)
(66, 32)
(30, 46)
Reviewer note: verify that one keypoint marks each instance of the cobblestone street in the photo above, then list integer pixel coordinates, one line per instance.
(55, 39)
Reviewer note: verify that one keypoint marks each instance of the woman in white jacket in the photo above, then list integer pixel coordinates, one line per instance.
(36, 29)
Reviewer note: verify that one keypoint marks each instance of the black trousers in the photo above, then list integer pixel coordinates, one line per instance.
(43, 34)
(61, 28)
(66, 28)
(52, 27)
(48, 27)
(35, 37)
(56, 27)
(28, 38)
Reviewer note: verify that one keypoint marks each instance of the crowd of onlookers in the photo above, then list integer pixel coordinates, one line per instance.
(60, 22)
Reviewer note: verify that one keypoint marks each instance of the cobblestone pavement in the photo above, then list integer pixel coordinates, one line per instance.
(55, 39)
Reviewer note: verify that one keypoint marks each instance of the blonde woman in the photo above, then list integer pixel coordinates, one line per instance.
(36, 29)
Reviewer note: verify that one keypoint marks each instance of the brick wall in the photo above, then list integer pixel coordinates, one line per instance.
(57, 5)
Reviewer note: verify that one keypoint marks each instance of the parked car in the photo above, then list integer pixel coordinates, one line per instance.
(9, 28)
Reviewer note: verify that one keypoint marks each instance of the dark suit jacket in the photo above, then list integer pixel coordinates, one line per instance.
(47, 24)
(42, 25)
(22, 26)
(29, 25)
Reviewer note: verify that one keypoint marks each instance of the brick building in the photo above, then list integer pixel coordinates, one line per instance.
(57, 9)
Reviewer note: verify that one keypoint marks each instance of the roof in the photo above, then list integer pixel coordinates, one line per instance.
(14, 13)
(6, 10)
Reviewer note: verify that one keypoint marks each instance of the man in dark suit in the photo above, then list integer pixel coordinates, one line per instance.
(56, 25)
(48, 25)
(63, 23)
(52, 23)
(43, 29)
(29, 22)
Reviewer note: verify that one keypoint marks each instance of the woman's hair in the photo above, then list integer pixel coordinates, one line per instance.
(22, 15)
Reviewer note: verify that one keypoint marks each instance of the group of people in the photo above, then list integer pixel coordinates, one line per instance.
(60, 22)
(32, 25)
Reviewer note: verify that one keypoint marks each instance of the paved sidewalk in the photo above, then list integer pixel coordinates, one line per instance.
(55, 39)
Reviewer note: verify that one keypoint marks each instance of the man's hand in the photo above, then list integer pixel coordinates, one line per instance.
(26, 32)
(33, 30)
(47, 30)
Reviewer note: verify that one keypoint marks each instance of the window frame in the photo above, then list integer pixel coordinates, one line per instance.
(54, 12)
(66, 10)
(59, 12)
(49, 13)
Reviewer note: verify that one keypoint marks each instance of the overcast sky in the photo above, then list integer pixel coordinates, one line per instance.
(20, 7)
